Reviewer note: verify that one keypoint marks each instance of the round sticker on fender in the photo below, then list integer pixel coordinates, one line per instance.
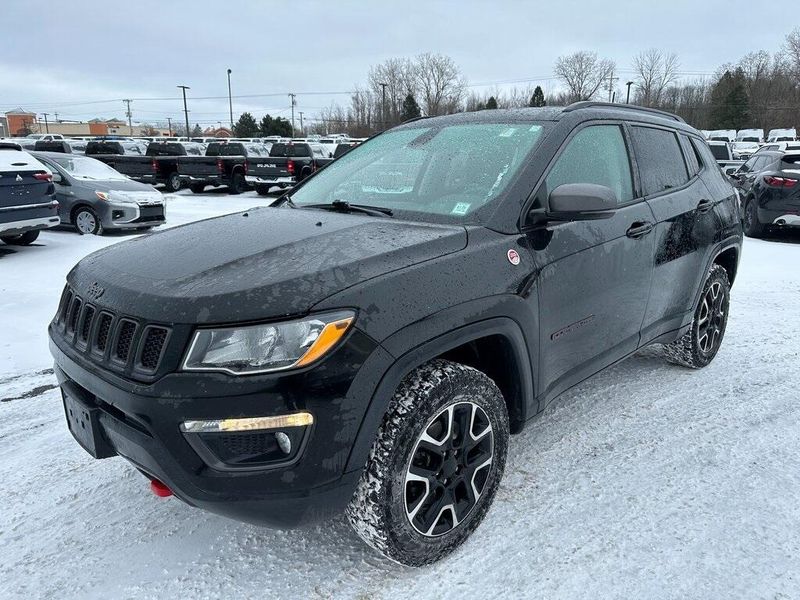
(513, 257)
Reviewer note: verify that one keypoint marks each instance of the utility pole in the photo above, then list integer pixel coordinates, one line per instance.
(292, 96)
(611, 80)
(628, 98)
(185, 110)
(302, 129)
(169, 126)
(230, 99)
(128, 114)
(56, 114)
(46, 127)
(383, 103)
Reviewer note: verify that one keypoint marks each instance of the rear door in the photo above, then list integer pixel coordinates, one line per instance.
(594, 276)
(685, 225)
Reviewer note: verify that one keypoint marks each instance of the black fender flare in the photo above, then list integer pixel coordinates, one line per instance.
(430, 349)
(718, 249)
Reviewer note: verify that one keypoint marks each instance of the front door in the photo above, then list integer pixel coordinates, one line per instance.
(594, 278)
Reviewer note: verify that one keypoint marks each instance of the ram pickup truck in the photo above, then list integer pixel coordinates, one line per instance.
(369, 343)
(27, 197)
(224, 163)
(287, 165)
(723, 153)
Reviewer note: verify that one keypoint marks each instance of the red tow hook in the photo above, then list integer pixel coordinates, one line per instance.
(159, 489)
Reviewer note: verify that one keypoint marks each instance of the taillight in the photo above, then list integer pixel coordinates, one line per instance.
(220, 166)
(154, 163)
(43, 176)
(290, 167)
(779, 181)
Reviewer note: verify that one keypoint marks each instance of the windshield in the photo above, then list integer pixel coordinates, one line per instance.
(452, 170)
(88, 168)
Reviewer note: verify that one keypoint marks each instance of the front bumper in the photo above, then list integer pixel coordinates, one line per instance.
(130, 216)
(141, 422)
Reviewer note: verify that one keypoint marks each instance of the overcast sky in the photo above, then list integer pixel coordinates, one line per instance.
(79, 58)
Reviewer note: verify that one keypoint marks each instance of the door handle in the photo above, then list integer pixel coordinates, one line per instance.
(704, 205)
(639, 229)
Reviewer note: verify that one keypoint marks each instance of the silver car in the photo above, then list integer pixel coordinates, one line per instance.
(94, 197)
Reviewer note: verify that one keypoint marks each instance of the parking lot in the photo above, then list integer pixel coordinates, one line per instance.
(646, 481)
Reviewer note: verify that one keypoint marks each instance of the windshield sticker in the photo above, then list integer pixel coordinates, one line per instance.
(460, 209)
(508, 132)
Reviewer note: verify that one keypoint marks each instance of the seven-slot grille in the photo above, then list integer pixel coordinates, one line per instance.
(111, 339)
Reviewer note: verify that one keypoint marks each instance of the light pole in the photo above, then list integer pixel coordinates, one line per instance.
(302, 127)
(169, 126)
(383, 104)
(293, 104)
(628, 97)
(230, 98)
(185, 110)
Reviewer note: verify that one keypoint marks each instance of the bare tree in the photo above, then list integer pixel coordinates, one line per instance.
(440, 84)
(792, 50)
(398, 75)
(655, 72)
(583, 73)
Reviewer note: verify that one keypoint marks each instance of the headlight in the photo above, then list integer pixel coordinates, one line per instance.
(264, 348)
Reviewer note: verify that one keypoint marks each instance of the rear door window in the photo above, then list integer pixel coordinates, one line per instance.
(660, 160)
(596, 154)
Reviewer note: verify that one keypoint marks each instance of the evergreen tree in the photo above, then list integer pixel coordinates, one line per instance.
(537, 99)
(410, 108)
(196, 131)
(277, 126)
(246, 126)
(491, 103)
(730, 107)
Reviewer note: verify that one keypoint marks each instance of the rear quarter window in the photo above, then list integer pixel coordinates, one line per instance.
(661, 163)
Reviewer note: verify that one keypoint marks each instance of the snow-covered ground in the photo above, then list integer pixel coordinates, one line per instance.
(648, 481)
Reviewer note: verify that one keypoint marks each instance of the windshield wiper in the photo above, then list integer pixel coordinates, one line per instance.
(346, 207)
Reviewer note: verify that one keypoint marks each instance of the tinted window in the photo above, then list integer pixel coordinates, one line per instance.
(699, 155)
(597, 155)
(661, 164)
(693, 161)
(790, 162)
(720, 152)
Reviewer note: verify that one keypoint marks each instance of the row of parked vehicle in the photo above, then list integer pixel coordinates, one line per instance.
(40, 190)
(743, 143)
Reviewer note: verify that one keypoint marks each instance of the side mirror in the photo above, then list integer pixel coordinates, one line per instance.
(581, 202)
(731, 171)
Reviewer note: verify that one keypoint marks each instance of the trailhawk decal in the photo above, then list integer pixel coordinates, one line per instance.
(570, 328)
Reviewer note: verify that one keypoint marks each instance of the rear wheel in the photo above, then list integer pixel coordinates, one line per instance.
(262, 190)
(23, 239)
(173, 182)
(237, 185)
(698, 346)
(197, 188)
(752, 226)
(435, 466)
(86, 221)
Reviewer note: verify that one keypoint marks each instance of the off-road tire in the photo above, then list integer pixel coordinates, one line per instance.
(378, 510)
(197, 188)
(688, 350)
(752, 226)
(262, 190)
(23, 239)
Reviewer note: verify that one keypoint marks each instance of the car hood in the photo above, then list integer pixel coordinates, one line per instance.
(126, 185)
(263, 263)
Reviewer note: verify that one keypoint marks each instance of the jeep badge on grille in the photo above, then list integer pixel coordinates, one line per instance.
(95, 291)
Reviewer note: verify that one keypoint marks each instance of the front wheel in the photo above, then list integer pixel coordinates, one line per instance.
(86, 221)
(23, 239)
(197, 188)
(435, 466)
(752, 226)
(698, 346)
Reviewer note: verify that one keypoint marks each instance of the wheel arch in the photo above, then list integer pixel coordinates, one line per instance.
(495, 346)
(728, 259)
(79, 205)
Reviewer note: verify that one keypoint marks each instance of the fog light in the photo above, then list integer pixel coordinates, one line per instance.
(284, 443)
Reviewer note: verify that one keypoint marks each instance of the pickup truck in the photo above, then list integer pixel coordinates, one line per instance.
(27, 202)
(225, 163)
(287, 165)
(159, 165)
(723, 154)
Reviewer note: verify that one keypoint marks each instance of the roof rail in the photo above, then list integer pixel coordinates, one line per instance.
(591, 104)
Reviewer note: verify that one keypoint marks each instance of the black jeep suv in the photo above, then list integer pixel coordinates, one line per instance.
(368, 343)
